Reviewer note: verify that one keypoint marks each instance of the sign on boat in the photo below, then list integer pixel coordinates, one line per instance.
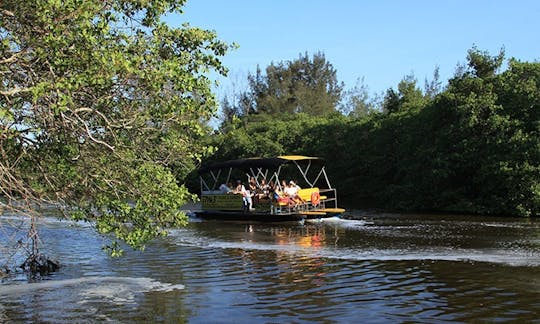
(220, 199)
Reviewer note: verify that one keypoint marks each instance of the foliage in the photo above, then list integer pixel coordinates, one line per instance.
(434, 86)
(303, 85)
(356, 102)
(482, 64)
(472, 148)
(98, 99)
(408, 96)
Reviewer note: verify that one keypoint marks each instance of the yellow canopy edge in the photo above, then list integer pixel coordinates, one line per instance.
(296, 157)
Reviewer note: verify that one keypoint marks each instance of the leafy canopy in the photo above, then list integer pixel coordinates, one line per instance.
(305, 85)
(472, 146)
(97, 100)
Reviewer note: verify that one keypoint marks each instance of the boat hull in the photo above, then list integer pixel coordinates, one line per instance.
(266, 217)
(247, 216)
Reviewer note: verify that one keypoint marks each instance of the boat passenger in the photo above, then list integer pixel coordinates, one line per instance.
(280, 197)
(253, 185)
(271, 187)
(226, 188)
(265, 189)
(255, 190)
(292, 192)
(246, 195)
(283, 185)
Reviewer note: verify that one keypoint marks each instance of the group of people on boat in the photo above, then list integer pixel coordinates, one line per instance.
(255, 192)
(289, 193)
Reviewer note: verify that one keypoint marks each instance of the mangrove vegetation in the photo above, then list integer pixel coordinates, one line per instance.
(469, 146)
(105, 114)
(98, 100)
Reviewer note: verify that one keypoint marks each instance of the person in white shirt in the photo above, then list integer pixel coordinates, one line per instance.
(246, 195)
(225, 188)
(292, 191)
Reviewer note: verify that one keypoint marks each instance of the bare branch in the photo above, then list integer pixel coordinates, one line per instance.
(10, 59)
(14, 91)
(7, 13)
(89, 133)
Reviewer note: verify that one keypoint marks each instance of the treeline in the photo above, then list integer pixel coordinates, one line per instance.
(472, 146)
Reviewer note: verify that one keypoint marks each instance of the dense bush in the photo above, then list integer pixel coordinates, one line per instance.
(474, 148)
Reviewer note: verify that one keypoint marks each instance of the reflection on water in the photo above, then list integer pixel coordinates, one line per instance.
(304, 236)
(386, 268)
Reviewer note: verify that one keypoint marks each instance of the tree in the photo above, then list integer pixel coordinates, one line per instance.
(472, 148)
(233, 103)
(356, 101)
(314, 85)
(407, 97)
(482, 64)
(97, 100)
(305, 85)
(433, 87)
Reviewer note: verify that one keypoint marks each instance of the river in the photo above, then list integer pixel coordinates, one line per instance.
(382, 268)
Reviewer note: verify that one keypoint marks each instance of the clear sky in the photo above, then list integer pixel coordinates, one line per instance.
(379, 40)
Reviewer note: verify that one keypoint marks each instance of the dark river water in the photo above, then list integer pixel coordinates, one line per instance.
(381, 269)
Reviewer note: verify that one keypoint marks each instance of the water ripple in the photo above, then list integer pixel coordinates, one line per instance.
(378, 270)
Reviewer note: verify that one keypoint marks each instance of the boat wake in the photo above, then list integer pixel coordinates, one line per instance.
(352, 223)
(507, 257)
(314, 245)
(118, 290)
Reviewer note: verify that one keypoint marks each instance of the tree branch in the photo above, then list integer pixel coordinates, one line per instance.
(14, 91)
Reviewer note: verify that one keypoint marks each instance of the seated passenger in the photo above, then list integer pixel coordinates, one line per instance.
(292, 192)
(246, 195)
(252, 185)
(226, 188)
(283, 185)
(271, 187)
(279, 197)
(264, 190)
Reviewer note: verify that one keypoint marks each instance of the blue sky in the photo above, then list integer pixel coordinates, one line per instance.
(381, 41)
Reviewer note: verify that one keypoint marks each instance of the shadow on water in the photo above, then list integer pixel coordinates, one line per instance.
(382, 268)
